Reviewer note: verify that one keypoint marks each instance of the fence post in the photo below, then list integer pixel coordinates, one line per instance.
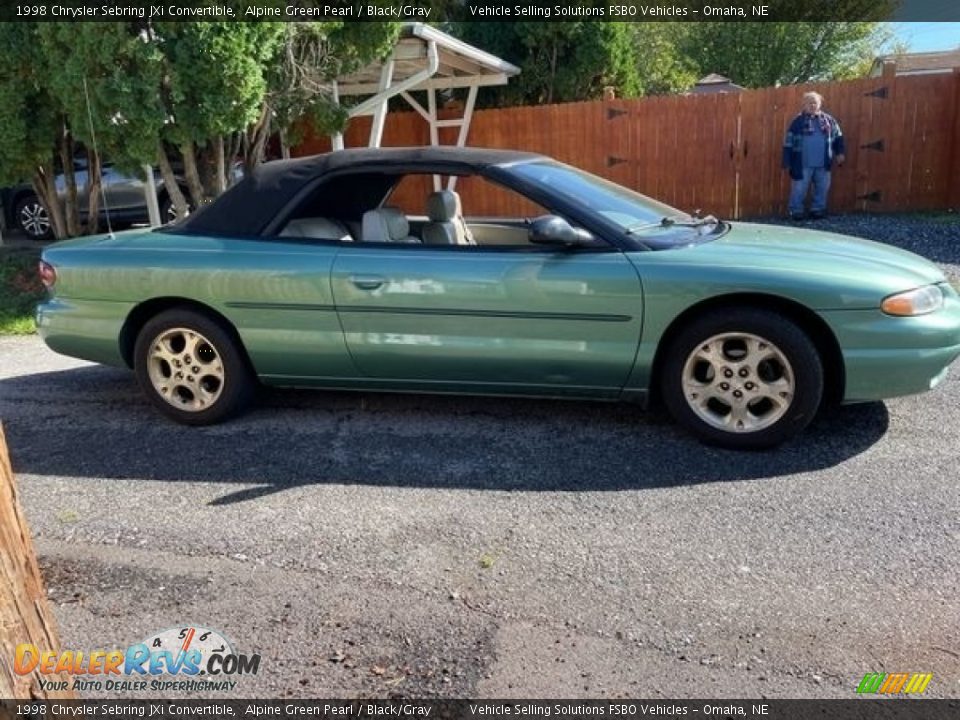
(25, 616)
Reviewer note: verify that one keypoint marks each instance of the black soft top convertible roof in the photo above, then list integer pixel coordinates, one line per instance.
(250, 205)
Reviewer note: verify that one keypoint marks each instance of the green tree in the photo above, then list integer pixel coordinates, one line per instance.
(161, 93)
(559, 61)
(300, 75)
(34, 125)
(214, 85)
(661, 66)
(105, 79)
(765, 54)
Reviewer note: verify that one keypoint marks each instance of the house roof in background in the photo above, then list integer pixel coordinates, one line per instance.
(715, 83)
(917, 63)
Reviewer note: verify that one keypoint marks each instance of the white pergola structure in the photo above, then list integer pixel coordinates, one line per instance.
(424, 59)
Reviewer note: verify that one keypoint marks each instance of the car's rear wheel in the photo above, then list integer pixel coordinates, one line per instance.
(32, 218)
(191, 368)
(742, 378)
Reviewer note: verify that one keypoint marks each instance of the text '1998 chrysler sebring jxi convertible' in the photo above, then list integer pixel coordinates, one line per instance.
(360, 270)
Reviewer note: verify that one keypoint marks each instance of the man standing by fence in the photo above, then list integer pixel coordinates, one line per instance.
(812, 144)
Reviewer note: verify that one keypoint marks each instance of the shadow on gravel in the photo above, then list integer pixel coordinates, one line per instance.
(92, 422)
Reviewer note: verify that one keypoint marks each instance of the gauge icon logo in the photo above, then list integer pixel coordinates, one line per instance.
(190, 650)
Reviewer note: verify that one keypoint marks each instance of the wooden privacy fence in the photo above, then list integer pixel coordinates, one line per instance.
(722, 153)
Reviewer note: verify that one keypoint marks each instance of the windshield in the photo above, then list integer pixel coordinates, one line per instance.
(653, 222)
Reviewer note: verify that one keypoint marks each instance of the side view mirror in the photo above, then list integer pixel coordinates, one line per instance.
(554, 230)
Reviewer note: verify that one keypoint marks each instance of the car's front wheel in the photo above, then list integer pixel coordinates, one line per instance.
(742, 378)
(191, 368)
(32, 218)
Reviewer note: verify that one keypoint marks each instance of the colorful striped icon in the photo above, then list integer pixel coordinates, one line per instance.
(893, 683)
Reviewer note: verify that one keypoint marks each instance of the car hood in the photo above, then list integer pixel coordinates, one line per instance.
(824, 270)
(824, 252)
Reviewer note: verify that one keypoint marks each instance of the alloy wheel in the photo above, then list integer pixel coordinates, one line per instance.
(738, 382)
(34, 219)
(185, 369)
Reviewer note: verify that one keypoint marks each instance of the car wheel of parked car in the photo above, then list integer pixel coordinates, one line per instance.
(742, 378)
(32, 218)
(168, 211)
(191, 368)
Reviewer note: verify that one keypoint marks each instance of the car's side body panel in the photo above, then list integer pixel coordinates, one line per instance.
(275, 294)
(494, 320)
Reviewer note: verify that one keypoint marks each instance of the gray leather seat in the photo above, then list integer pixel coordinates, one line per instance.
(446, 226)
(386, 225)
(317, 228)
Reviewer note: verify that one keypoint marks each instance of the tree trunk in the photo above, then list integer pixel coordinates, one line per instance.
(46, 190)
(170, 183)
(257, 137)
(191, 174)
(24, 614)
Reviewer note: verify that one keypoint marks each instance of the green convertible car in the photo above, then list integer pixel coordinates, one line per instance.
(358, 270)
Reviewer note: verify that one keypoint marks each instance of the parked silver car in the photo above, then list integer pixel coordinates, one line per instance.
(125, 200)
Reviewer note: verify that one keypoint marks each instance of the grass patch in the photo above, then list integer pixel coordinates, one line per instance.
(939, 217)
(20, 290)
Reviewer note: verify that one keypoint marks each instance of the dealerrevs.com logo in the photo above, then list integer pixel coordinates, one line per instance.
(894, 683)
(185, 658)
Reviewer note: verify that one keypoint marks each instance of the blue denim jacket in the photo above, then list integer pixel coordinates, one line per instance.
(793, 145)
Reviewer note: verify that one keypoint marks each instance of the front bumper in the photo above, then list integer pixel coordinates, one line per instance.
(887, 356)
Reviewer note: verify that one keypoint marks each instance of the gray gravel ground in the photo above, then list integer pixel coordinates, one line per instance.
(377, 545)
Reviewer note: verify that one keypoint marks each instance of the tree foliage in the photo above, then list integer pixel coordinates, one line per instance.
(559, 62)
(310, 56)
(572, 61)
(189, 94)
(661, 65)
(766, 54)
(34, 126)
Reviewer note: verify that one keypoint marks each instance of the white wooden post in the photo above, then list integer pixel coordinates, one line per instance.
(150, 193)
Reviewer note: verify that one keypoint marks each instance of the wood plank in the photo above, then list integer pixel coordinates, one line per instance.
(952, 172)
(25, 616)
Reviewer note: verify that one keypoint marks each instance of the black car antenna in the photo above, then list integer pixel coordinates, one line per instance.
(93, 138)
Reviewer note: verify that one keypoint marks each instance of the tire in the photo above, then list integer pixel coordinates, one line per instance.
(168, 211)
(191, 368)
(32, 218)
(742, 378)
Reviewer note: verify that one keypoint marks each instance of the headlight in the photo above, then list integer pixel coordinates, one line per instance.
(914, 302)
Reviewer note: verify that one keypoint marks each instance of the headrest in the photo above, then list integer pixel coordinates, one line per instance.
(397, 223)
(385, 225)
(443, 206)
(319, 228)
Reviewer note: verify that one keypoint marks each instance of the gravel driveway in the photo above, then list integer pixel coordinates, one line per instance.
(377, 545)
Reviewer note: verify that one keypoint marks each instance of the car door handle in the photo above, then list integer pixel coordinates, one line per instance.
(367, 282)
